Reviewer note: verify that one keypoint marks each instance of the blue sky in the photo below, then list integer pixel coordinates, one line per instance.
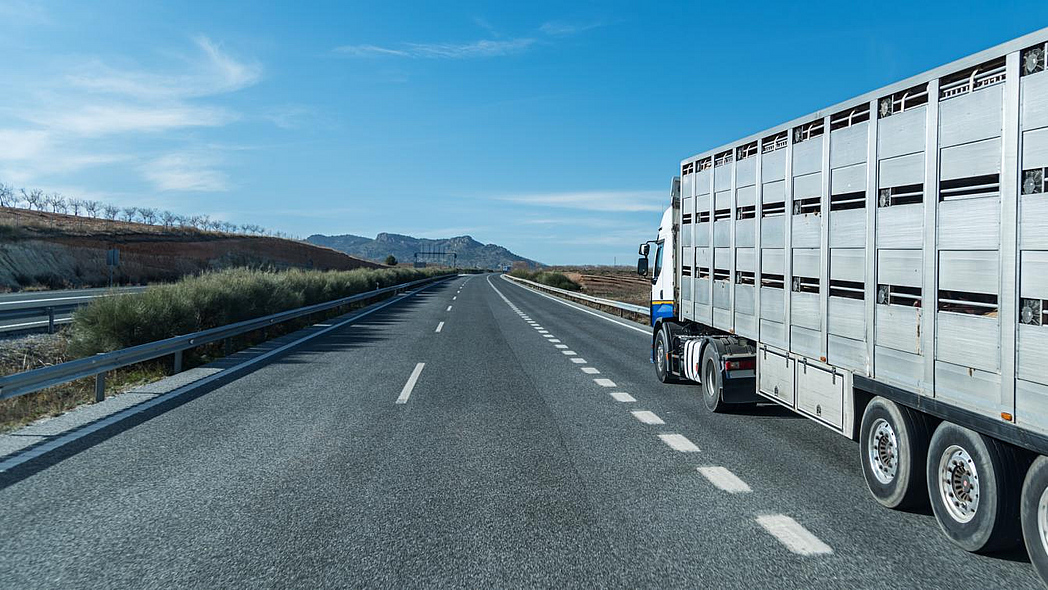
(549, 128)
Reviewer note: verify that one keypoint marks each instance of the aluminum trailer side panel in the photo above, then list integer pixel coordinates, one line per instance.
(901, 236)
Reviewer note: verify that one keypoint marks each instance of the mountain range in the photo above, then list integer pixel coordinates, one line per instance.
(469, 253)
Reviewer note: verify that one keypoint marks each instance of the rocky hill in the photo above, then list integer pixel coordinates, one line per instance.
(469, 252)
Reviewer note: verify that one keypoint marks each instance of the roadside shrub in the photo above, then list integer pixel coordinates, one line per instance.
(215, 299)
(553, 279)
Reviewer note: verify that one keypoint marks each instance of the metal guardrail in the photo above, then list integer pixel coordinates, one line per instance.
(54, 307)
(637, 309)
(97, 366)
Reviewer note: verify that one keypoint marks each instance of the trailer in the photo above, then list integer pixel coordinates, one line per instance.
(881, 267)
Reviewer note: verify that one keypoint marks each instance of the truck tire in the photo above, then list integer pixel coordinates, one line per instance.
(712, 387)
(1034, 515)
(662, 360)
(973, 485)
(893, 449)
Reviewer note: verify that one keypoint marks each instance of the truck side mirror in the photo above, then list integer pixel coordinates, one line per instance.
(643, 251)
(642, 265)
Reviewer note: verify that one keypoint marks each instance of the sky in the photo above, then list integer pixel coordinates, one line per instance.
(550, 128)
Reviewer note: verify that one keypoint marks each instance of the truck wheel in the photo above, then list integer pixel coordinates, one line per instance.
(662, 360)
(893, 448)
(1034, 515)
(711, 381)
(973, 484)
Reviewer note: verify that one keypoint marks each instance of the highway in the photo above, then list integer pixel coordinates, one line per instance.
(475, 434)
(13, 303)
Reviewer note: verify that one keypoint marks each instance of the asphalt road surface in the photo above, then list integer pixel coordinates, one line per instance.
(476, 434)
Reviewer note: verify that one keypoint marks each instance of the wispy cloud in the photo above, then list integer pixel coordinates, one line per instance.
(563, 29)
(104, 119)
(608, 201)
(185, 172)
(473, 49)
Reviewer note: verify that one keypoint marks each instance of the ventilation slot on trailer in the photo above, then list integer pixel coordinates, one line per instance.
(746, 212)
(685, 271)
(702, 217)
(856, 200)
(848, 289)
(809, 205)
(988, 185)
(899, 295)
(970, 303)
(805, 285)
(972, 79)
(1032, 60)
(687, 169)
(720, 214)
(705, 164)
(1033, 181)
(743, 152)
(773, 142)
(902, 101)
(909, 194)
(722, 158)
(808, 131)
(720, 274)
(744, 277)
(1032, 312)
(771, 281)
(850, 117)
(704, 272)
(773, 209)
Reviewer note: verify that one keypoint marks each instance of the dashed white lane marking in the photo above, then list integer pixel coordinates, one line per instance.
(543, 331)
(560, 345)
(590, 370)
(679, 442)
(795, 537)
(410, 385)
(578, 360)
(454, 298)
(647, 417)
(448, 309)
(622, 396)
(550, 336)
(724, 479)
(604, 382)
(583, 310)
(440, 326)
(568, 352)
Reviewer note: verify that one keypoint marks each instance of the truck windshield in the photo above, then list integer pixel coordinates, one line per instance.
(658, 261)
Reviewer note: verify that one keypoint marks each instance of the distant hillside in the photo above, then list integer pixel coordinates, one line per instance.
(470, 253)
(52, 250)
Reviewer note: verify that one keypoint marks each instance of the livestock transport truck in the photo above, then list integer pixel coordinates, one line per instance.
(881, 267)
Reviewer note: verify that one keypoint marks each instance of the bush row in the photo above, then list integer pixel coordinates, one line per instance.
(553, 279)
(215, 299)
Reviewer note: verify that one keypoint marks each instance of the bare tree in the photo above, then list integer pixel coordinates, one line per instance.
(231, 228)
(129, 213)
(7, 196)
(34, 198)
(168, 218)
(92, 208)
(111, 211)
(56, 202)
(76, 206)
(147, 214)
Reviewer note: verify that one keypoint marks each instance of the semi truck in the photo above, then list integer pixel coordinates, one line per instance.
(881, 267)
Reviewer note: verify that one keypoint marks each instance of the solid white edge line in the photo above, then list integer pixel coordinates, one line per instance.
(647, 417)
(64, 439)
(410, 385)
(579, 308)
(679, 442)
(724, 479)
(440, 327)
(793, 535)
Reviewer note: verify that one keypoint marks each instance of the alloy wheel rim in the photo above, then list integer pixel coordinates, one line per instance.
(959, 484)
(883, 451)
